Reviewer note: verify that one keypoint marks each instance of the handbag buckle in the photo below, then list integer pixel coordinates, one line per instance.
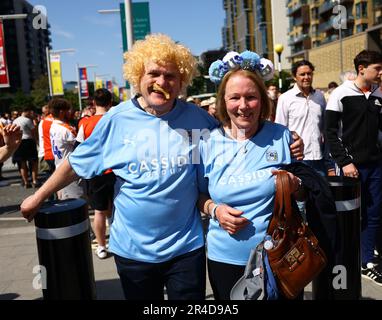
(294, 257)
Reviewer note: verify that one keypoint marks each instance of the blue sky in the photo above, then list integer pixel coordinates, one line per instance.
(97, 37)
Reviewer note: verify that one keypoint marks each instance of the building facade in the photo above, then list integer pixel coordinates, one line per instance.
(249, 25)
(330, 34)
(25, 46)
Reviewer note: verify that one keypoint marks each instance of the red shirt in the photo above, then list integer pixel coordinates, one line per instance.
(88, 127)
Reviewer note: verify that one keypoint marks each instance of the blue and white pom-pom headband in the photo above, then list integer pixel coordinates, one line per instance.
(246, 60)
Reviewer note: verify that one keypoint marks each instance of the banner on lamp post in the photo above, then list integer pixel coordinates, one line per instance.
(4, 77)
(55, 67)
(141, 24)
(116, 90)
(109, 86)
(84, 90)
(98, 83)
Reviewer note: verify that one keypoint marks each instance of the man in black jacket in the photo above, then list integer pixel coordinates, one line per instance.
(352, 123)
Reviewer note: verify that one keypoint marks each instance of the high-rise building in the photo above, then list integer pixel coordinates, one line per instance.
(250, 25)
(330, 34)
(25, 45)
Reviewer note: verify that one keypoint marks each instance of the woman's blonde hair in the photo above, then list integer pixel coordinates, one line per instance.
(160, 49)
(221, 107)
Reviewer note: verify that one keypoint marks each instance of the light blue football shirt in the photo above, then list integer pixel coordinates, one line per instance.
(155, 215)
(238, 173)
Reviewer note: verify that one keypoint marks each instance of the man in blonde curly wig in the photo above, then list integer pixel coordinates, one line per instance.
(161, 50)
(156, 235)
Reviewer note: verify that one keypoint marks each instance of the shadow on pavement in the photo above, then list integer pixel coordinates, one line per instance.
(9, 209)
(109, 290)
(9, 296)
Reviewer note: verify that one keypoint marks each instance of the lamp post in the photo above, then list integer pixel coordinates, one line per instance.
(129, 21)
(279, 49)
(340, 38)
(13, 16)
(48, 52)
(128, 26)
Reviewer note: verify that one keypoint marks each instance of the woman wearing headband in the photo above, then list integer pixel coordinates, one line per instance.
(237, 165)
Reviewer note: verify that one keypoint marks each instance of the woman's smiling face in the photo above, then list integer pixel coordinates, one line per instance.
(243, 102)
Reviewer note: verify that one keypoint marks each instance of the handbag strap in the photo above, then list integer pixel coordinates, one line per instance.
(282, 212)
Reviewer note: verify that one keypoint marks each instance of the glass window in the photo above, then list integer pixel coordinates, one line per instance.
(358, 11)
(364, 9)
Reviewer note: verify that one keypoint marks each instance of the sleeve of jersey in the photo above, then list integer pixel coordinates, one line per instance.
(88, 159)
(282, 111)
(335, 146)
(333, 115)
(81, 135)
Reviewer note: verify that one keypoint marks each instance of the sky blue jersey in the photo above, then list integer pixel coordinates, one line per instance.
(155, 216)
(238, 173)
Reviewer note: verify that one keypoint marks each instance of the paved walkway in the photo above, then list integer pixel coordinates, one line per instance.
(18, 252)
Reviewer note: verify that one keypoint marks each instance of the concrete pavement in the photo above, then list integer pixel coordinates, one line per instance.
(18, 253)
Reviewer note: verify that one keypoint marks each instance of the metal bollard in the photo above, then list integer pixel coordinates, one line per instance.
(64, 250)
(345, 281)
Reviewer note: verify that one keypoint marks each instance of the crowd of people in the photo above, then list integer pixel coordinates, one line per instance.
(153, 164)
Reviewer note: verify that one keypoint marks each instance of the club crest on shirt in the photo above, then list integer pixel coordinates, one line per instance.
(272, 156)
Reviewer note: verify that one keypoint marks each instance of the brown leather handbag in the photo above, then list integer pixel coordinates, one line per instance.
(296, 258)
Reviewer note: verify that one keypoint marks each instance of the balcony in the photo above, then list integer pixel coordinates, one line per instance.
(377, 4)
(329, 39)
(325, 26)
(333, 23)
(294, 9)
(303, 20)
(294, 40)
(378, 20)
(328, 5)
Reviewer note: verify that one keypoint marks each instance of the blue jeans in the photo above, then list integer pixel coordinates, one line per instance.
(371, 202)
(184, 277)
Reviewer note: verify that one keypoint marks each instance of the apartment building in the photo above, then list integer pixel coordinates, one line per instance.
(24, 46)
(330, 33)
(249, 25)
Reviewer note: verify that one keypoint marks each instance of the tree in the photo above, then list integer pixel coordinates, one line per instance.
(72, 98)
(286, 80)
(21, 100)
(40, 91)
(198, 85)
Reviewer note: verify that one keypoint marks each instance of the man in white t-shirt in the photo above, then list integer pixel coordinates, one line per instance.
(63, 138)
(27, 151)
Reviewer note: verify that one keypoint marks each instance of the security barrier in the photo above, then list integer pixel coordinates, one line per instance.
(64, 250)
(345, 281)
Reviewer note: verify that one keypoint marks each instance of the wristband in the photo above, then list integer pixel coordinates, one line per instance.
(208, 206)
(213, 212)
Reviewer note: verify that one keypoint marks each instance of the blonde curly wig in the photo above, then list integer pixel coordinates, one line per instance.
(160, 49)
